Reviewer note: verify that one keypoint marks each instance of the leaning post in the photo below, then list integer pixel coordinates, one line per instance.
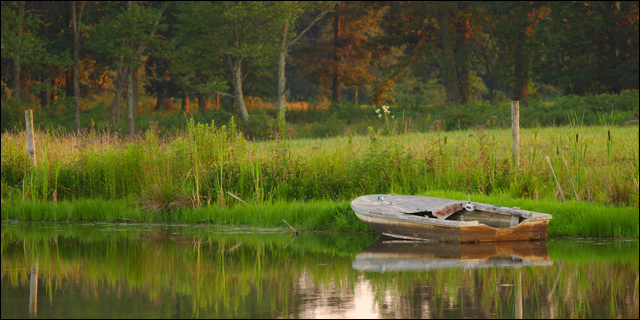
(31, 145)
(515, 131)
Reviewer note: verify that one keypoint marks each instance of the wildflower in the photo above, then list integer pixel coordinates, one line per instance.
(314, 148)
(92, 130)
(79, 135)
(470, 134)
(432, 128)
(84, 144)
(395, 131)
(115, 133)
(494, 117)
(285, 149)
(83, 129)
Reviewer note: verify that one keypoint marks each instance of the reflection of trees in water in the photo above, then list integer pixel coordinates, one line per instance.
(216, 271)
(220, 274)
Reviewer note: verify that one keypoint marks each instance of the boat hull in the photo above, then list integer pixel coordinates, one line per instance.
(412, 227)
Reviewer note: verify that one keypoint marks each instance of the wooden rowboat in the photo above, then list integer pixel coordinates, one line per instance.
(402, 255)
(444, 220)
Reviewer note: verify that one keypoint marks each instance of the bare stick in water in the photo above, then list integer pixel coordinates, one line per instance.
(292, 228)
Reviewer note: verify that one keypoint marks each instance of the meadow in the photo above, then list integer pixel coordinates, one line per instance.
(206, 169)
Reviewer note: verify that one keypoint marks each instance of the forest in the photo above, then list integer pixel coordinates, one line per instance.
(326, 65)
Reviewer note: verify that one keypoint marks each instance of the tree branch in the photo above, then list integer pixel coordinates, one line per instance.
(308, 27)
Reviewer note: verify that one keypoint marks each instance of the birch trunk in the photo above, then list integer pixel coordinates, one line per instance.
(237, 83)
(280, 107)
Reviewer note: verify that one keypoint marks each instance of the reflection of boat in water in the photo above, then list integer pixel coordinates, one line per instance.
(395, 255)
(445, 220)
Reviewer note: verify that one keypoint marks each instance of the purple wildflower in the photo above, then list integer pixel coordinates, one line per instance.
(395, 131)
(494, 117)
(314, 148)
(432, 128)
(470, 134)
(79, 135)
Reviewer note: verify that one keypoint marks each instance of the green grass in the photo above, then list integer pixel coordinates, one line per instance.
(574, 219)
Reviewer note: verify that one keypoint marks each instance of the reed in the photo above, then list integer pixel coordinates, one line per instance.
(205, 164)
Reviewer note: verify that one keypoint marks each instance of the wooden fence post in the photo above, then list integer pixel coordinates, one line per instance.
(515, 131)
(31, 145)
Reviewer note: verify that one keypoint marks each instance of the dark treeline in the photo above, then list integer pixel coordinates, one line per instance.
(64, 56)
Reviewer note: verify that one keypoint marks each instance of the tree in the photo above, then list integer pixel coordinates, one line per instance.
(243, 34)
(588, 47)
(340, 51)
(20, 41)
(123, 39)
(435, 38)
(514, 26)
(297, 10)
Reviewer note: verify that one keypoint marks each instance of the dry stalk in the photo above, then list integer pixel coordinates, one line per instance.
(554, 176)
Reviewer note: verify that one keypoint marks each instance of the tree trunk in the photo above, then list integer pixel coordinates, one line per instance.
(16, 78)
(68, 86)
(16, 62)
(44, 96)
(237, 83)
(521, 75)
(185, 102)
(280, 107)
(202, 101)
(335, 88)
(160, 94)
(76, 67)
(134, 76)
(462, 53)
(115, 109)
(132, 129)
(448, 63)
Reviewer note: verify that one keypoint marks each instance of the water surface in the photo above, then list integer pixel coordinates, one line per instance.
(95, 270)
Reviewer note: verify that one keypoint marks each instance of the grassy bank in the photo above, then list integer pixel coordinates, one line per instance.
(569, 218)
(207, 169)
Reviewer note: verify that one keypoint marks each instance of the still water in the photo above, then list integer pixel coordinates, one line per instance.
(53, 270)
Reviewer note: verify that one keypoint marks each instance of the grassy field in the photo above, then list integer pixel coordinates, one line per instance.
(209, 168)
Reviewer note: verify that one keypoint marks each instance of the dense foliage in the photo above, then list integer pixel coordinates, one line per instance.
(446, 59)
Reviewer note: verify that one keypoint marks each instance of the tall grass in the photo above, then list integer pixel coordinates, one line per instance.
(209, 164)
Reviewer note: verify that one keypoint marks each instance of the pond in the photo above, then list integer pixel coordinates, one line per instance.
(100, 270)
